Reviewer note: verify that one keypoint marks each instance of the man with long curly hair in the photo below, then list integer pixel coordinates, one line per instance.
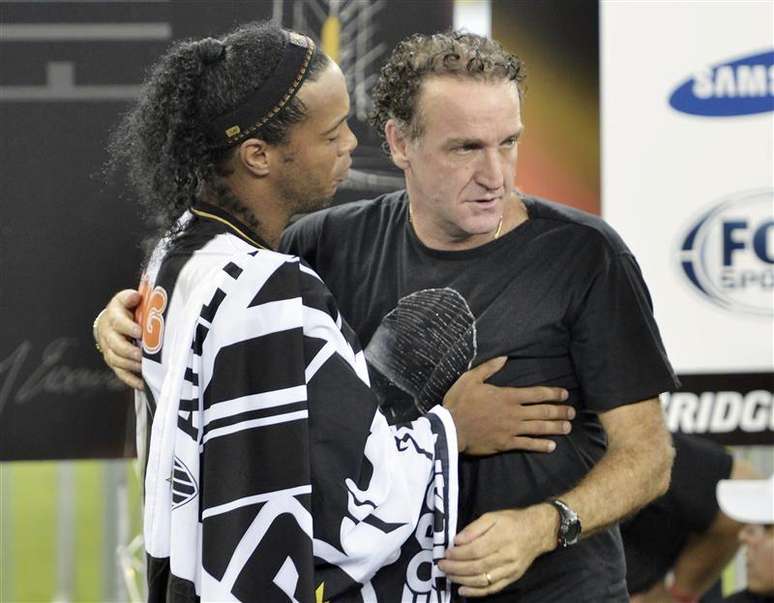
(460, 267)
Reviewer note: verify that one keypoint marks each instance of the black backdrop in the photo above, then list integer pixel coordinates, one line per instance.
(67, 238)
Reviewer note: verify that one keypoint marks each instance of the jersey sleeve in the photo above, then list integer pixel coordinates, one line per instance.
(252, 428)
(384, 498)
(615, 343)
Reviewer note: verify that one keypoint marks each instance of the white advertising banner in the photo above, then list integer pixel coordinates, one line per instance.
(688, 181)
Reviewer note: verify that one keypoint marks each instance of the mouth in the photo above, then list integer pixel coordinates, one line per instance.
(344, 175)
(486, 202)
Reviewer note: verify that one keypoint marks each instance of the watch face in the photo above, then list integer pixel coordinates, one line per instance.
(573, 532)
(569, 524)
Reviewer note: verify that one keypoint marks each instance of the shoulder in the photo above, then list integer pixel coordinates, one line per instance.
(232, 262)
(339, 217)
(589, 227)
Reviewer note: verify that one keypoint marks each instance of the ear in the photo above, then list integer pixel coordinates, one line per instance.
(398, 142)
(255, 156)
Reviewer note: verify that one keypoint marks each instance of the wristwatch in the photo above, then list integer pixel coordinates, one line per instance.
(569, 524)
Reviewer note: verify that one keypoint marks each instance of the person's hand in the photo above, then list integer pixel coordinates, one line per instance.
(492, 419)
(498, 547)
(115, 332)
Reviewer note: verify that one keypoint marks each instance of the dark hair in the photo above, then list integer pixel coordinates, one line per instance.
(455, 53)
(162, 141)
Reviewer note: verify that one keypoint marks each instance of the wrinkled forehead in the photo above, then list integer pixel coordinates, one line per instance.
(451, 101)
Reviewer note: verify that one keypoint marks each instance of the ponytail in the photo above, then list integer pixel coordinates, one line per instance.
(162, 143)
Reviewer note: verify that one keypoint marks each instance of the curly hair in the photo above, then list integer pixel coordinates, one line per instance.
(162, 144)
(455, 53)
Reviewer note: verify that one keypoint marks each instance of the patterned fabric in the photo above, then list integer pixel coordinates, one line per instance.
(271, 476)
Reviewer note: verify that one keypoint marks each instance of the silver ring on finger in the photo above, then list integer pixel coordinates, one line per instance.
(488, 579)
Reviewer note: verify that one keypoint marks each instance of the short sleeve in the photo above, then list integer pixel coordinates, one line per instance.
(699, 465)
(615, 343)
(302, 237)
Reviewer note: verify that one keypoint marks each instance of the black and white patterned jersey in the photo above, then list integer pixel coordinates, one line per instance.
(270, 473)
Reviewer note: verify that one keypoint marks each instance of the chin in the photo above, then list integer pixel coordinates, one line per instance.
(322, 201)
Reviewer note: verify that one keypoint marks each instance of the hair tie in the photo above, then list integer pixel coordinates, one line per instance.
(210, 50)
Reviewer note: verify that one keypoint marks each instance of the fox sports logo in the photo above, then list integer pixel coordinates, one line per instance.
(727, 254)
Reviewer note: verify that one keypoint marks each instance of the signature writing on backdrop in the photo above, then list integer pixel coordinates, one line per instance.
(23, 376)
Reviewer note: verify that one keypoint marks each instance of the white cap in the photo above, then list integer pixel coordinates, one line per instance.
(747, 501)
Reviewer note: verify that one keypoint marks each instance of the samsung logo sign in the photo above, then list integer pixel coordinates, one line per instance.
(727, 254)
(741, 87)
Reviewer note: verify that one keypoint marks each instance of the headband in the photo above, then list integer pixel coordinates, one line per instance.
(269, 98)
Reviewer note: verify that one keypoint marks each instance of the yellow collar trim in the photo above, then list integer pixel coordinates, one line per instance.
(209, 216)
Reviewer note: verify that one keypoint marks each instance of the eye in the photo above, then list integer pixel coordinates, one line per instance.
(465, 149)
(510, 142)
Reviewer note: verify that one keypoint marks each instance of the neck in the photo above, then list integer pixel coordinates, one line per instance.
(259, 209)
(436, 234)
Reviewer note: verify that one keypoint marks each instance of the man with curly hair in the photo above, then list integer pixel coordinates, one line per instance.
(460, 267)
(552, 288)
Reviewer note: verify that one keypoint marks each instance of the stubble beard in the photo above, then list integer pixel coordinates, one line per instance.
(299, 197)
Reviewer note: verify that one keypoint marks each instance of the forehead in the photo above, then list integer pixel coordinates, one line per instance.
(325, 98)
(456, 106)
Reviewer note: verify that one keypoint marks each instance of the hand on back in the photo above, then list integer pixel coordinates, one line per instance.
(116, 332)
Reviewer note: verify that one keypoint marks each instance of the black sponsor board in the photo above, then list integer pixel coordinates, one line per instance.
(67, 239)
(735, 409)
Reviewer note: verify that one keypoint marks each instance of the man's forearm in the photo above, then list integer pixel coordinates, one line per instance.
(634, 470)
(498, 547)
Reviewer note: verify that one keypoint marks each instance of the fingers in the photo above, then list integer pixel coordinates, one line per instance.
(127, 298)
(532, 395)
(116, 361)
(116, 331)
(486, 369)
(121, 346)
(472, 531)
(482, 591)
(546, 412)
(120, 320)
(544, 428)
(531, 444)
(130, 379)
(484, 582)
(488, 581)
(463, 572)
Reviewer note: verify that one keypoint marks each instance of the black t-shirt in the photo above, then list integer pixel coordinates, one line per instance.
(655, 536)
(560, 295)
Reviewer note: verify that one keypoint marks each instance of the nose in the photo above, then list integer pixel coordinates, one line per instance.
(491, 173)
(749, 533)
(350, 141)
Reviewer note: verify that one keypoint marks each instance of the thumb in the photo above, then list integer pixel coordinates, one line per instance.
(486, 369)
